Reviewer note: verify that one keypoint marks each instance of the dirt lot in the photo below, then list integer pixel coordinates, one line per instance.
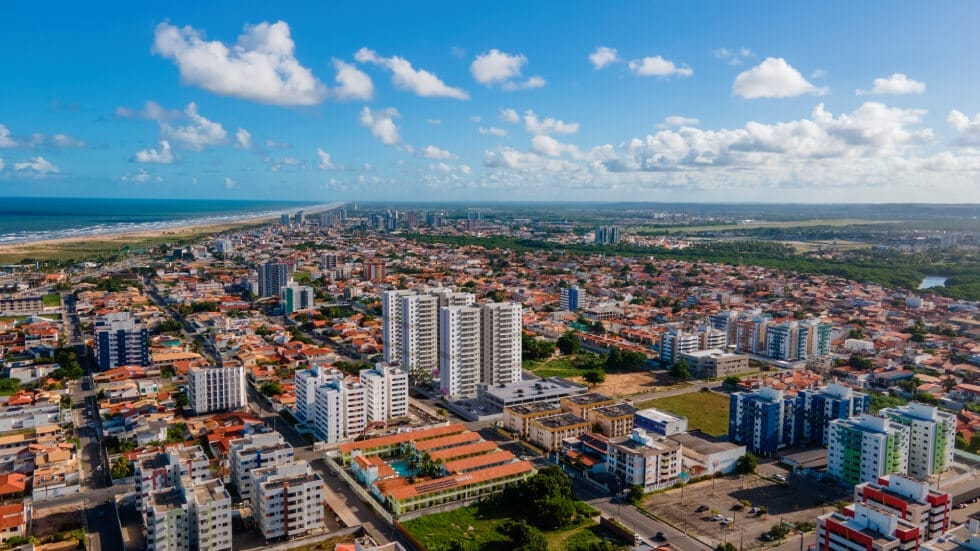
(800, 499)
(627, 384)
(48, 521)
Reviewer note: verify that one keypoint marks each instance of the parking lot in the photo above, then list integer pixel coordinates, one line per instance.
(799, 499)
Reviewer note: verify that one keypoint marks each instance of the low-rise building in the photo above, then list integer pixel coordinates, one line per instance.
(614, 420)
(581, 404)
(862, 526)
(548, 432)
(704, 455)
(289, 500)
(714, 363)
(642, 460)
(910, 499)
(517, 418)
(552, 389)
(660, 422)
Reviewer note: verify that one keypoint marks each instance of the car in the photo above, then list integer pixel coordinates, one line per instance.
(99, 468)
(637, 539)
(660, 536)
(755, 510)
(718, 517)
(701, 509)
(780, 478)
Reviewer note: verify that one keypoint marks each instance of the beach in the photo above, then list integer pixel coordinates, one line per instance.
(95, 242)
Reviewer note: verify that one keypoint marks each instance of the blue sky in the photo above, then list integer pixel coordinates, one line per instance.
(654, 101)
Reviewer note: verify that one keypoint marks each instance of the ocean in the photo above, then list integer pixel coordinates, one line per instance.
(27, 219)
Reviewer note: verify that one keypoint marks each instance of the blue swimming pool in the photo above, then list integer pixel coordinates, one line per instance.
(401, 467)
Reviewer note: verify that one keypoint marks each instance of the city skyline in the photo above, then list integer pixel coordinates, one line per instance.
(635, 102)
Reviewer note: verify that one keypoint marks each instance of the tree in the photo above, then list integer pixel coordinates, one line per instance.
(598, 328)
(635, 495)
(170, 326)
(175, 432)
(569, 343)
(779, 531)
(746, 464)
(588, 361)
(271, 388)
(731, 381)
(525, 537)
(121, 468)
(727, 546)
(594, 377)
(680, 370)
(857, 362)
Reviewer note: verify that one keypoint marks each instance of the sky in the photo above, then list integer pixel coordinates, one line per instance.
(753, 101)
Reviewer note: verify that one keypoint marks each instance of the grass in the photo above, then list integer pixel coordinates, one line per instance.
(51, 299)
(553, 367)
(833, 222)
(705, 411)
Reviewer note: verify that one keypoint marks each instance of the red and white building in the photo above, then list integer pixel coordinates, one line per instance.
(867, 527)
(909, 499)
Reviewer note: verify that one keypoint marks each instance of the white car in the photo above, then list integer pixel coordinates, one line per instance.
(718, 517)
(727, 521)
(780, 478)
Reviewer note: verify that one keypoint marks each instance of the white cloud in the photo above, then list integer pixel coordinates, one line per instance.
(967, 129)
(773, 78)
(433, 152)
(1, 163)
(496, 67)
(733, 57)
(141, 176)
(493, 131)
(546, 145)
(37, 139)
(548, 126)
(898, 83)
(151, 111)
(261, 66)
(273, 144)
(243, 139)
(405, 77)
(353, 84)
(434, 122)
(163, 155)
(64, 140)
(230, 184)
(677, 120)
(603, 56)
(476, 118)
(37, 165)
(200, 134)
(509, 115)
(382, 124)
(5, 138)
(659, 67)
(324, 159)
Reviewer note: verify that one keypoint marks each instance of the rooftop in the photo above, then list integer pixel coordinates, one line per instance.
(533, 407)
(560, 421)
(587, 399)
(616, 410)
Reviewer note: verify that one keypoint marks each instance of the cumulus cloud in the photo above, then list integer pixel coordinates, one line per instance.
(6, 140)
(261, 66)
(198, 135)
(36, 165)
(230, 184)
(658, 67)
(677, 120)
(352, 83)
(503, 69)
(773, 78)
(534, 125)
(433, 152)
(733, 56)
(509, 115)
(898, 83)
(405, 77)
(243, 139)
(546, 145)
(162, 155)
(141, 176)
(967, 129)
(151, 111)
(324, 160)
(492, 131)
(38, 139)
(603, 56)
(382, 124)
(64, 140)
(273, 144)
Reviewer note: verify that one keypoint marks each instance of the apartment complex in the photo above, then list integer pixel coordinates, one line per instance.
(865, 526)
(212, 388)
(715, 363)
(571, 298)
(517, 418)
(502, 329)
(864, 448)
(764, 421)
(273, 276)
(834, 401)
(296, 297)
(289, 500)
(120, 340)
(910, 499)
(932, 436)
(460, 365)
(639, 459)
(254, 452)
(548, 432)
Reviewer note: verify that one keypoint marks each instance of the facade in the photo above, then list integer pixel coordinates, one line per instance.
(582, 404)
(605, 235)
(640, 459)
(121, 340)
(910, 499)
(306, 382)
(865, 448)
(340, 409)
(392, 314)
(212, 388)
(254, 452)
(502, 325)
(548, 432)
(296, 297)
(289, 501)
(713, 363)
(386, 393)
(822, 405)
(420, 340)
(460, 365)
(708, 455)
(20, 306)
(571, 298)
(765, 420)
(659, 422)
(273, 276)
(614, 420)
(863, 526)
(932, 435)
(517, 419)
(675, 343)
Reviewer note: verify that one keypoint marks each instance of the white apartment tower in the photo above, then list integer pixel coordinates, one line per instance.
(864, 448)
(253, 452)
(212, 388)
(391, 312)
(341, 409)
(289, 501)
(460, 364)
(307, 381)
(501, 358)
(386, 393)
(931, 438)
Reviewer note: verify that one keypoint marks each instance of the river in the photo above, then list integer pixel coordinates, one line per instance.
(932, 281)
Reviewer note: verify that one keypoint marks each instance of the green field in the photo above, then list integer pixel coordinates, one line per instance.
(52, 300)
(705, 411)
(475, 527)
(554, 367)
(832, 222)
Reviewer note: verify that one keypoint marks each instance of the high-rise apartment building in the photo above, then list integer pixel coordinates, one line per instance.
(605, 235)
(822, 405)
(212, 388)
(502, 329)
(932, 435)
(306, 382)
(296, 297)
(420, 336)
(675, 342)
(864, 448)
(571, 298)
(460, 350)
(765, 420)
(341, 409)
(392, 313)
(386, 393)
(289, 501)
(253, 452)
(120, 340)
(908, 498)
(273, 276)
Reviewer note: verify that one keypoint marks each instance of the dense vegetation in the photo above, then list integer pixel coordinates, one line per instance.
(886, 267)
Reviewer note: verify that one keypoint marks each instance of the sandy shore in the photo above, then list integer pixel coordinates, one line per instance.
(68, 246)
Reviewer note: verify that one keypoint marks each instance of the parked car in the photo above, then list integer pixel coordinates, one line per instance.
(718, 517)
(701, 509)
(660, 536)
(755, 510)
(780, 478)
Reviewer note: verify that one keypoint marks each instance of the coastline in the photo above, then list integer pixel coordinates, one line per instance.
(109, 239)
